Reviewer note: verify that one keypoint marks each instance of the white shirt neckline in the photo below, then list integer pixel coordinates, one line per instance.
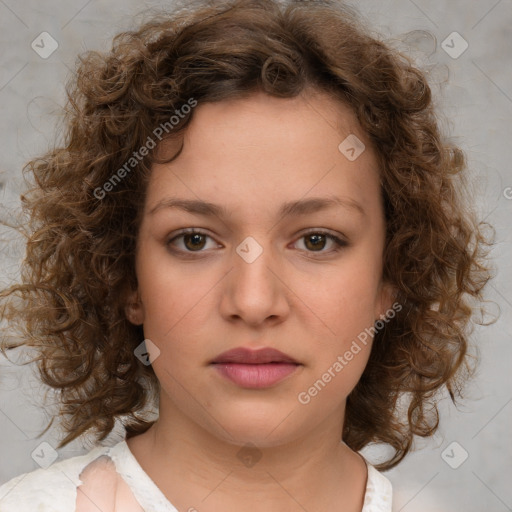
(378, 493)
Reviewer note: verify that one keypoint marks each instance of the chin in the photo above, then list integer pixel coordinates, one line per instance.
(264, 429)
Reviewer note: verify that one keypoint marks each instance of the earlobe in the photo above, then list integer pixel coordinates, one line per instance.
(133, 309)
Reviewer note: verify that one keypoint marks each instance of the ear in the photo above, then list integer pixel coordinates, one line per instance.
(386, 300)
(133, 309)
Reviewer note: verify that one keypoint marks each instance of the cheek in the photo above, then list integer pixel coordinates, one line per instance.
(165, 295)
(341, 316)
(341, 348)
(168, 290)
(342, 301)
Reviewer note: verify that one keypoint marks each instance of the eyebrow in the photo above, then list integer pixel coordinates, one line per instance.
(299, 207)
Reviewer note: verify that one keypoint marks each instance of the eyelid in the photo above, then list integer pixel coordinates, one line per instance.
(189, 231)
(323, 231)
(339, 240)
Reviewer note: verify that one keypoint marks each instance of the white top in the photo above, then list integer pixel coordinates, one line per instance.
(112, 480)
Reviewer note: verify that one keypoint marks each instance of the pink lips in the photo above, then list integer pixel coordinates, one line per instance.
(254, 369)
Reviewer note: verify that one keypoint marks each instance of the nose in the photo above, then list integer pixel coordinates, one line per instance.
(255, 291)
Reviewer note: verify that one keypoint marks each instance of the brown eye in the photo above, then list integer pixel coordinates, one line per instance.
(315, 241)
(194, 241)
(190, 241)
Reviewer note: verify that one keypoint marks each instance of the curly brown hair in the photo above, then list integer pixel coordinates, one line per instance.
(80, 258)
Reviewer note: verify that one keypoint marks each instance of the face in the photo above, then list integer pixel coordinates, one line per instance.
(286, 253)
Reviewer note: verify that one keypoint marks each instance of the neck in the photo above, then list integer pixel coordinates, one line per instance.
(313, 471)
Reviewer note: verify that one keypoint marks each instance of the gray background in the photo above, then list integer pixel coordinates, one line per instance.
(474, 92)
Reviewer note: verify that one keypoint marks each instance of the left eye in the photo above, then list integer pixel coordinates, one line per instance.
(315, 241)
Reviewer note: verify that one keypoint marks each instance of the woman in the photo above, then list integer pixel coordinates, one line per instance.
(255, 224)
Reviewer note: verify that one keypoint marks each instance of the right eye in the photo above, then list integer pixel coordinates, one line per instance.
(191, 240)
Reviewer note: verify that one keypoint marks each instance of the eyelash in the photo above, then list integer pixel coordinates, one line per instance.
(339, 243)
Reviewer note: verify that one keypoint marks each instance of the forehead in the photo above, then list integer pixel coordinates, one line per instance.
(262, 148)
(313, 118)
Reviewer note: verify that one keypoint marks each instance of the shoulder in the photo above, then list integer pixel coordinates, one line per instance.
(379, 492)
(53, 489)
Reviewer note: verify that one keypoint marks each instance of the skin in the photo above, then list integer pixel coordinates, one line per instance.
(309, 301)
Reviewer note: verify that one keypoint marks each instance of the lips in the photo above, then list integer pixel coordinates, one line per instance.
(255, 369)
(247, 356)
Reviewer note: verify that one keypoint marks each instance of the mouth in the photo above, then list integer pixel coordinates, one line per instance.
(255, 369)
(243, 355)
